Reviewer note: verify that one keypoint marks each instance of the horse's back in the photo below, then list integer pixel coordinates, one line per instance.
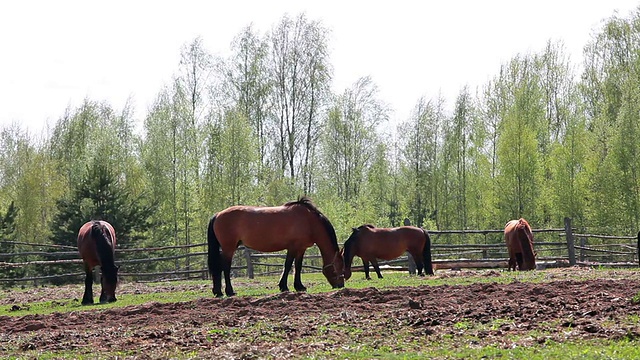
(391, 243)
(265, 229)
(87, 244)
(510, 226)
(511, 236)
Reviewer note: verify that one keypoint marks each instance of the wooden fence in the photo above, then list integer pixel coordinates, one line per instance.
(451, 249)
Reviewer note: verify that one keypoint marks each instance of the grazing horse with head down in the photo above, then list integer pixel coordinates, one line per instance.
(519, 240)
(371, 243)
(96, 245)
(294, 226)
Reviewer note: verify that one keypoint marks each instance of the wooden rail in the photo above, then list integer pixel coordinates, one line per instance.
(574, 250)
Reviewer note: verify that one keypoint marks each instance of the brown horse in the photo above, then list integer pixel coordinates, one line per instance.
(371, 243)
(519, 240)
(96, 245)
(294, 226)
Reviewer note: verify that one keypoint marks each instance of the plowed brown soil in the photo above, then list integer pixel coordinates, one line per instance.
(294, 325)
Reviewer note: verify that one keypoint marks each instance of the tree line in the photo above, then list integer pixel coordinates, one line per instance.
(543, 139)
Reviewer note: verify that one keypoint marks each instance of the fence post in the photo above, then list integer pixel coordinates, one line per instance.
(570, 245)
(412, 263)
(583, 244)
(638, 248)
(247, 257)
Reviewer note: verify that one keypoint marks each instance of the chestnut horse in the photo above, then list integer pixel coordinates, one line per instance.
(96, 245)
(294, 226)
(371, 243)
(519, 240)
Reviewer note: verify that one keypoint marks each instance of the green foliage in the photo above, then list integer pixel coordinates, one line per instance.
(100, 196)
(7, 239)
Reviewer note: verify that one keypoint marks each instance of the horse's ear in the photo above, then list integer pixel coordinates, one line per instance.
(354, 229)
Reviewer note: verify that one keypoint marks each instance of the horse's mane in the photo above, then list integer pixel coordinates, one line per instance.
(306, 202)
(105, 250)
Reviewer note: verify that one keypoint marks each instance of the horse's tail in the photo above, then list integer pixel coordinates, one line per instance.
(104, 247)
(426, 253)
(215, 268)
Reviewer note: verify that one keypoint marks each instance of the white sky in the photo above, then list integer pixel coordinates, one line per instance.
(56, 53)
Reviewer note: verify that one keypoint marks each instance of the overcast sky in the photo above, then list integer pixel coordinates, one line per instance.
(54, 54)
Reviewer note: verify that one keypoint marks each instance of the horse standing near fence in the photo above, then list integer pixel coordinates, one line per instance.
(519, 240)
(294, 226)
(371, 243)
(96, 245)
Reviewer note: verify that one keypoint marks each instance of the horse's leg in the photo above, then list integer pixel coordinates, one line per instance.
(297, 281)
(519, 260)
(87, 298)
(226, 267)
(217, 283)
(419, 260)
(374, 262)
(103, 294)
(285, 273)
(365, 264)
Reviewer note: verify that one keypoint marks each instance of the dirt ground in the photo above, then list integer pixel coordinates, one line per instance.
(294, 325)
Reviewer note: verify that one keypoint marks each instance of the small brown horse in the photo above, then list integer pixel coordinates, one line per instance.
(294, 226)
(519, 240)
(96, 244)
(371, 243)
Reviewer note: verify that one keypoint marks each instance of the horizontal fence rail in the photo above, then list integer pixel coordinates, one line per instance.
(451, 249)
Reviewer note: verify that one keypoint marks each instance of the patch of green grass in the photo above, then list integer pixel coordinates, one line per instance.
(463, 325)
(583, 350)
(79, 355)
(67, 305)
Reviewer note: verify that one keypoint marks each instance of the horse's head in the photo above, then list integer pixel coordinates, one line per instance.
(334, 272)
(109, 284)
(348, 251)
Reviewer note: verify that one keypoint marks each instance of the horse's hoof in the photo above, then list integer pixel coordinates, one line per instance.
(286, 289)
(87, 302)
(231, 294)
